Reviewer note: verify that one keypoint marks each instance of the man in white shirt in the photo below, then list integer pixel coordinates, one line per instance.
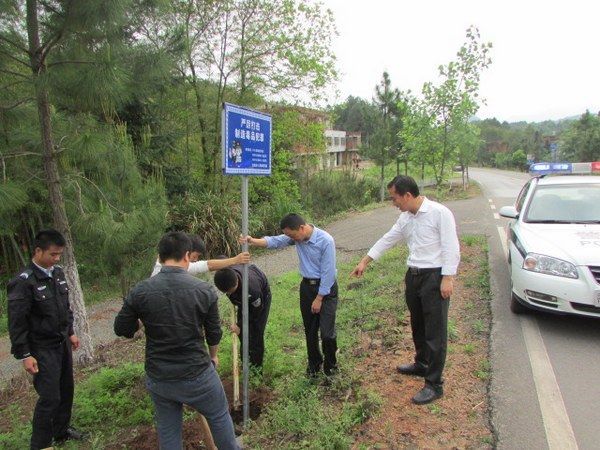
(429, 230)
(198, 250)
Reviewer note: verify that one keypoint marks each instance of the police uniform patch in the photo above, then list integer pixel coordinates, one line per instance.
(26, 274)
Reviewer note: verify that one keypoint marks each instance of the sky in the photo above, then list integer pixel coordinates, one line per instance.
(545, 55)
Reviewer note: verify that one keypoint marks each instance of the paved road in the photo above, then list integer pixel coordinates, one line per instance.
(545, 367)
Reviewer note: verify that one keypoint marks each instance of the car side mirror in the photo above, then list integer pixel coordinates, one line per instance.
(509, 212)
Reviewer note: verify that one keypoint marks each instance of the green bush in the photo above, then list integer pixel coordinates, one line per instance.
(215, 217)
(114, 396)
(332, 192)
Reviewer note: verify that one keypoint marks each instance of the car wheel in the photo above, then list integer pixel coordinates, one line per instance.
(515, 306)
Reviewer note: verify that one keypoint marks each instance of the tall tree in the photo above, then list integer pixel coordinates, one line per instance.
(387, 100)
(454, 100)
(270, 48)
(581, 142)
(63, 50)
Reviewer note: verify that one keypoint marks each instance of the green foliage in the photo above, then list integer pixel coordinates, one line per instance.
(115, 396)
(437, 131)
(332, 192)
(581, 141)
(18, 436)
(217, 218)
(519, 159)
(484, 371)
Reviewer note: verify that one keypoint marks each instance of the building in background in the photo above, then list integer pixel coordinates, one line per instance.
(341, 147)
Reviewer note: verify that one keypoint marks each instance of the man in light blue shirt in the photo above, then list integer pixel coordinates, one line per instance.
(318, 289)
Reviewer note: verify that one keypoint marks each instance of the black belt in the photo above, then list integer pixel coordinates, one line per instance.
(419, 270)
(311, 281)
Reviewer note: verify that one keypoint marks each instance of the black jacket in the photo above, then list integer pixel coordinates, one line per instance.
(39, 313)
(179, 313)
(259, 291)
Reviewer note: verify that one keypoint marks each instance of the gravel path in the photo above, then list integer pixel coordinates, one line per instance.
(353, 235)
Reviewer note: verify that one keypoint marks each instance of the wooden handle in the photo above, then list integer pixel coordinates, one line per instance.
(209, 443)
(236, 366)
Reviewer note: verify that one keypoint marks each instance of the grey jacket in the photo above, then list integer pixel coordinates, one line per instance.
(180, 313)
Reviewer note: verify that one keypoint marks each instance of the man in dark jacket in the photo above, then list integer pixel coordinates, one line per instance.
(229, 281)
(40, 323)
(179, 313)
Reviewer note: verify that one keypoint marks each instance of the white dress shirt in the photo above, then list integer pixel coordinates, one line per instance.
(430, 235)
(195, 268)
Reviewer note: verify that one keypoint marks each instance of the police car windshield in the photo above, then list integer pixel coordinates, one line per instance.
(575, 203)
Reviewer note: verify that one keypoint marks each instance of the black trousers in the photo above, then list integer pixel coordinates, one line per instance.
(257, 322)
(429, 322)
(324, 322)
(54, 385)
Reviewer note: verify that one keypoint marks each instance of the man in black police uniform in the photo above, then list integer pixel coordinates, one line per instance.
(229, 281)
(40, 324)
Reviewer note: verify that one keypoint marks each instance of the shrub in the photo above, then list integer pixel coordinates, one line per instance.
(333, 192)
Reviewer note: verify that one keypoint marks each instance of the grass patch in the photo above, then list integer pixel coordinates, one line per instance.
(315, 414)
(105, 402)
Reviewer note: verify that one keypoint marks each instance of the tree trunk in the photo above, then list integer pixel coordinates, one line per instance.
(382, 190)
(55, 194)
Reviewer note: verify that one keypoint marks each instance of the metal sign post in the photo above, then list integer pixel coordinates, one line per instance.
(246, 150)
(245, 338)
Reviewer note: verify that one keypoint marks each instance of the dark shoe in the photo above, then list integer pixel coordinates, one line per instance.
(329, 372)
(71, 435)
(312, 373)
(427, 395)
(411, 369)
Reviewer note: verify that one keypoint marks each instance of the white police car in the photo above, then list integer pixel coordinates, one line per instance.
(554, 240)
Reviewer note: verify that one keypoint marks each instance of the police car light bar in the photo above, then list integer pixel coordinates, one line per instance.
(583, 168)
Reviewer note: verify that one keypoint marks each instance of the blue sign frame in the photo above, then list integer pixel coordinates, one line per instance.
(246, 141)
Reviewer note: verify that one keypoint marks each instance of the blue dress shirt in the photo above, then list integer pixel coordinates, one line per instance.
(316, 255)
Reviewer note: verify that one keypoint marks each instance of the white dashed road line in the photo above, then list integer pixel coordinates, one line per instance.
(559, 432)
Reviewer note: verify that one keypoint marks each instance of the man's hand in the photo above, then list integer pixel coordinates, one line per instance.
(360, 267)
(256, 242)
(316, 305)
(245, 239)
(235, 329)
(31, 366)
(242, 258)
(215, 361)
(447, 287)
(74, 342)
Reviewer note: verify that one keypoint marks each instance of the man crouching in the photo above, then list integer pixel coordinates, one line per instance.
(179, 312)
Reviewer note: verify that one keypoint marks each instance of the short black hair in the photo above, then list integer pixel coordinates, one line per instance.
(225, 279)
(174, 245)
(45, 238)
(292, 221)
(403, 184)
(198, 244)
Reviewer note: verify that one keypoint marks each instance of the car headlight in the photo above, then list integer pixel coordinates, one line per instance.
(549, 265)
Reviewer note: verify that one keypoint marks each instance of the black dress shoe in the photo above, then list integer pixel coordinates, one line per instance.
(411, 369)
(427, 394)
(71, 435)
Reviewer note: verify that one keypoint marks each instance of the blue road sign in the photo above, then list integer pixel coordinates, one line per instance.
(246, 139)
